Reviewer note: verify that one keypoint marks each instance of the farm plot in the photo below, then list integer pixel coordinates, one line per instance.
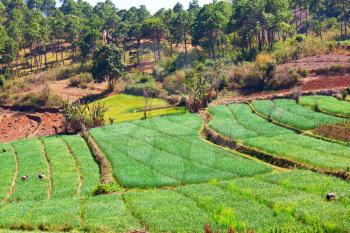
(64, 174)
(161, 152)
(32, 161)
(289, 113)
(239, 123)
(7, 169)
(88, 169)
(93, 214)
(129, 108)
(261, 204)
(327, 104)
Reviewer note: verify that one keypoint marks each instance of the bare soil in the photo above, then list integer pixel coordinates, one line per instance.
(312, 85)
(17, 125)
(314, 63)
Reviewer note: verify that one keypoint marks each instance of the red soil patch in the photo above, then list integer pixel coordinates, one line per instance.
(308, 86)
(17, 125)
(317, 62)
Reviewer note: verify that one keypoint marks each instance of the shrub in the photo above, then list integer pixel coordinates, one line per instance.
(175, 83)
(81, 80)
(245, 76)
(43, 99)
(141, 84)
(2, 81)
(106, 189)
(283, 79)
(78, 116)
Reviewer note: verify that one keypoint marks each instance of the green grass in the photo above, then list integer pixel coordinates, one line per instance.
(123, 107)
(88, 167)
(239, 123)
(64, 174)
(327, 104)
(167, 153)
(7, 169)
(32, 162)
(289, 113)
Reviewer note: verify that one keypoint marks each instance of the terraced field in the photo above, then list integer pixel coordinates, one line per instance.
(327, 104)
(172, 181)
(289, 113)
(239, 123)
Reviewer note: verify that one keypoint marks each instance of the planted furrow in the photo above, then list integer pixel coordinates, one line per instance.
(8, 171)
(32, 162)
(65, 178)
(89, 171)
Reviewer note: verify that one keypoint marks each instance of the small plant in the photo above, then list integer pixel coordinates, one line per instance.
(81, 81)
(2, 81)
(102, 189)
(79, 116)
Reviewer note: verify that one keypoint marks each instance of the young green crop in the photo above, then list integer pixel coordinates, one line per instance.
(164, 148)
(166, 211)
(327, 104)
(235, 210)
(7, 169)
(65, 179)
(32, 162)
(244, 126)
(108, 213)
(89, 170)
(289, 113)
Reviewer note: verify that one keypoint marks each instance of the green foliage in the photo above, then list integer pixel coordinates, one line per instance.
(105, 189)
(108, 65)
(2, 81)
(89, 116)
(7, 169)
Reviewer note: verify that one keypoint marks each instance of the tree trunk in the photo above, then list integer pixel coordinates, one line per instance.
(138, 52)
(185, 44)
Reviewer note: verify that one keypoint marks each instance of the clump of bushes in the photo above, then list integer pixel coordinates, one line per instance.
(79, 117)
(81, 80)
(261, 75)
(333, 70)
(43, 99)
(141, 84)
(107, 188)
(2, 81)
(175, 83)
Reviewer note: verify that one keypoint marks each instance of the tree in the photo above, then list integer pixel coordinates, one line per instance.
(210, 26)
(8, 52)
(108, 65)
(154, 29)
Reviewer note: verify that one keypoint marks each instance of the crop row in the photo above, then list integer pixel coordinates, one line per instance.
(94, 214)
(289, 113)
(327, 104)
(273, 202)
(66, 164)
(162, 152)
(239, 123)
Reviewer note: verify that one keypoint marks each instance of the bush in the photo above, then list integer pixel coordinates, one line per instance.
(43, 99)
(78, 115)
(2, 81)
(106, 189)
(245, 76)
(175, 83)
(81, 80)
(141, 84)
(283, 79)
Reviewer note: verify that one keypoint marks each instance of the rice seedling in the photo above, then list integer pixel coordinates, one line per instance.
(7, 169)
(327, 104)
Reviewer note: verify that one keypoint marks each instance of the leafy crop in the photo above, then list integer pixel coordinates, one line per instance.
(163, 152)
(7, 169)
(289, 113)
(238, 122)
(327, 104)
